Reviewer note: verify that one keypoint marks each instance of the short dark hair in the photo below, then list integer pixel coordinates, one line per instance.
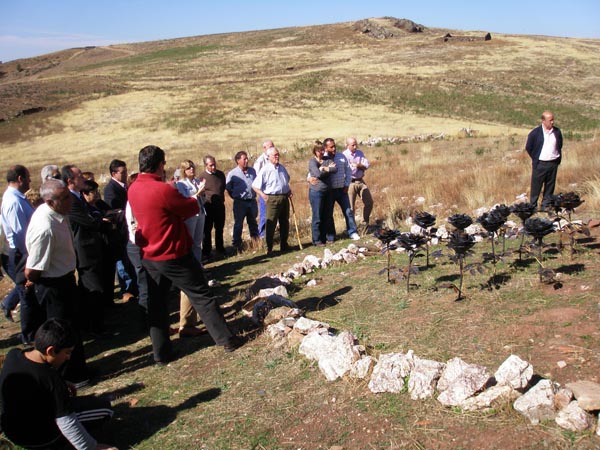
(150, 158)
(14, 172)
(327, 141)
(66, 173)
(90, 185)
(239, 155)
(115, 164)
(57, 333)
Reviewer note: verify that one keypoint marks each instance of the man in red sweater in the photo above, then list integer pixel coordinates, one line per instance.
(166, 248)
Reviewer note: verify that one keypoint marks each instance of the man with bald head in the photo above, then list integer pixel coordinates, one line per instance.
(544, 146)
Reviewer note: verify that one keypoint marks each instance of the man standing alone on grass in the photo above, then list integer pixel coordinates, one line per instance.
(262, 206)
(166, 248)
(359, 164)
(239, 187)
(272, 184)
(544, 146)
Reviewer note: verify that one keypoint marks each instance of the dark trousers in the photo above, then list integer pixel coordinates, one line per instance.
(92, 286)
(60, 297)
(320, 201)
(262, 222)
(278, 211)
(32, 316)
(135, 258)
(543, 174)
(244, 210)
(186, 274)
(341, 198)
(215, 218)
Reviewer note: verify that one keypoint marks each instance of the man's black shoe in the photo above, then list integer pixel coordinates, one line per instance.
(234, 343)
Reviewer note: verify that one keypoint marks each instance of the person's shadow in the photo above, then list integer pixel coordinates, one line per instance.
(134, 424)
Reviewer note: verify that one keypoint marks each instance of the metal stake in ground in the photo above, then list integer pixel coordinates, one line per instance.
(295, 221)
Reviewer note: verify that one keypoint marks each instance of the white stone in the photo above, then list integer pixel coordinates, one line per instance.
(442, 232)
(473, 229)
(561, 364)
(514, 372)
(349, 258)
(587, 394)
(537, 404)
(277, 330)
(390, 371)
(420, 201)
(363, 250)
(327, 256)
(335, 354)
(311, 283)
(360, 369)
(292, 274)
(562, 398)
(423, 378)
(279, 290)
(311, 262)
(480, 211)
(574, 418)
(353, 248)
(416, 229)
(485, 399)
(460, 381)
(305, 326)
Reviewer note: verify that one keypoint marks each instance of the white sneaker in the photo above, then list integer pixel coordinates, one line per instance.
(355, 237)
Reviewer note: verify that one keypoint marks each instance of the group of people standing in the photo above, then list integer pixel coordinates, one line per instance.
(337, 178)
(155, 234)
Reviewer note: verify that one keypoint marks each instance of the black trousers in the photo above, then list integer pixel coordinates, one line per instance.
(186, 274)
(92, 286)
(543, 175)
(215, 218)
(60, 298)
(32, 315)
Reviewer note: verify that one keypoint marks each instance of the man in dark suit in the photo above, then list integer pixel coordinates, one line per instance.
(115, 194)
(88, 241)
(544, 145)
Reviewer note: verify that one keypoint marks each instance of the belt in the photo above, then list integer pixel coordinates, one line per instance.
(357, 180)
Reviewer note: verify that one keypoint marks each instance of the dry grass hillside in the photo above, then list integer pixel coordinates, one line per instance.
(222, 93)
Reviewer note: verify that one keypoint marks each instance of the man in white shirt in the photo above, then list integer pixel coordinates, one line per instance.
(544, 146)
(50, 266)
(262, 206)
(272, 184)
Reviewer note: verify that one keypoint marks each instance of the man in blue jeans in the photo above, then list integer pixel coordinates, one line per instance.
(338, 183)
(16, 215)
(239, 186)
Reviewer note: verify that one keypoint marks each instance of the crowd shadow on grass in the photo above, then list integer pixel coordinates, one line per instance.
(571, 269)
(134, 425)
(448, 278)
(320, 303)
(496, 281)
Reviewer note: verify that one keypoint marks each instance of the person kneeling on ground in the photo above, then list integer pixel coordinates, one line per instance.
(39, 409)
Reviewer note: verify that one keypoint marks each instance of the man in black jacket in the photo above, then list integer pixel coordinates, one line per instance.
(544, 145)
(115, 194)
(88, 241)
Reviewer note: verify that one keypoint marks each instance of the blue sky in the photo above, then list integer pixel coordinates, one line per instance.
(34, 27)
